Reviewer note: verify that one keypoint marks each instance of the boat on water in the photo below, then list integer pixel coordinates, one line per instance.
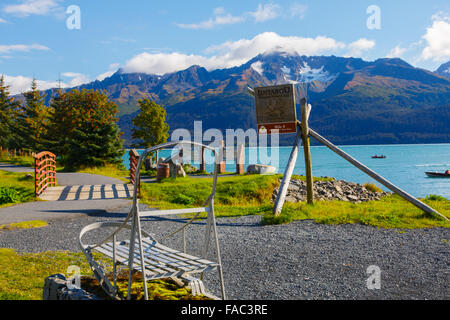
(378, 157)
(435, 174)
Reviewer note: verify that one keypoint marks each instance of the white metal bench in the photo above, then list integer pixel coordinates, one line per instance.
(159, 261)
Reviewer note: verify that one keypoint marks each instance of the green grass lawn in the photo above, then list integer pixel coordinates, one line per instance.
(22, 275)
(108, 170)
(251, 194)
(15, 188)
(26, 161)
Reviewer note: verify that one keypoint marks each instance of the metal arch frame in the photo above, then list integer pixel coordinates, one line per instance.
(135, 226)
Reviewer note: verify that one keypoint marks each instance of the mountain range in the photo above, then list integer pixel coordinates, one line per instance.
(353, 101)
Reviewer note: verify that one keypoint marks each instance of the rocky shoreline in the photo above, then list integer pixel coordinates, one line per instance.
(331, 190)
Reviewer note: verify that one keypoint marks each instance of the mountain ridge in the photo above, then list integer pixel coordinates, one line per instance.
(354, 101)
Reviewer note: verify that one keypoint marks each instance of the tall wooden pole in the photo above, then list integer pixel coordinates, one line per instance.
(287, 175)
(222, 160)
(240, 160)
(202, 160)
(305, 111)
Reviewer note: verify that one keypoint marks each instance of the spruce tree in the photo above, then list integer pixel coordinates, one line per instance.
(33, 118)
(8, 113)
(84, 129)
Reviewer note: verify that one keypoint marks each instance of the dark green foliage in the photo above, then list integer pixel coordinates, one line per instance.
(435, 197)
(9, 195)
(84, 129)
(94, 146)
(32, 120)
(8, 114)
(182, 199)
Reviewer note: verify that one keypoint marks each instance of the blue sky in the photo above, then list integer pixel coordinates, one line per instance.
(165, 36)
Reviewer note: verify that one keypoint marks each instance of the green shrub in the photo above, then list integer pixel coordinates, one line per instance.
(435, 197)
(372, 187)
(182, 199)
(9, 195)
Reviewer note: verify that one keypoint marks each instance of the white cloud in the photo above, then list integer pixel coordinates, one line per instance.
(298, 10)
(396, 52)
(161, 63)
(232, 53)
(437, 39)
(22, 48)
(33, 7)
(77, 79)
(359, 46)
(266, 12)
(20, 84)
(111, 70)
(220, 17)
(263, 12)
(2, 20)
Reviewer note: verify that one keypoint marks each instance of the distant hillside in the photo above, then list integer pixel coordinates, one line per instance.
(354, 101)
(444, 70)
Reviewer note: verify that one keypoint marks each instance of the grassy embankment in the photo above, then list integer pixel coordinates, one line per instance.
(15, 188)
(246, 195)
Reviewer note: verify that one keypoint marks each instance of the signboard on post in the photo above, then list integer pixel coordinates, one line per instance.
(275, 109)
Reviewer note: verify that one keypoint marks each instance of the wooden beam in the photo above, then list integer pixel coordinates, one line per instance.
(376, 176)
(287, 175)
(305, 111)
(240, 160)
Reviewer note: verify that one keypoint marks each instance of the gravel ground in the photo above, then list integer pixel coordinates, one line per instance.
(301, 260)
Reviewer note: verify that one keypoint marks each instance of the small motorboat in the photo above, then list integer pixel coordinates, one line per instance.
(379, 157)
(445, 174)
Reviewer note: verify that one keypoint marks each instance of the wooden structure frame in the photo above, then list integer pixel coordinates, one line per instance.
(158, 261)
(44, 171)
(303, 133)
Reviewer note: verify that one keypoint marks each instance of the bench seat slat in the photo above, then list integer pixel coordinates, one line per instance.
(151, 265)
(160, 261)
(176, 254)
(152, 213)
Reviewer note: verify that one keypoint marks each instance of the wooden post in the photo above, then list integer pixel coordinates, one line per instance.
(287, 175)
(134, 158)
(35, 177)
(202, 160)
(222, 162)
(240, 160)
(305, 111)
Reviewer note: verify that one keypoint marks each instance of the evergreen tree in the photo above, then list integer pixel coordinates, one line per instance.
(33, 119)
(93, 146)
(150, 124)
(8, 112)
(84, 129)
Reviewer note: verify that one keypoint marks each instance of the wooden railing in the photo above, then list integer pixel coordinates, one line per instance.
(44, 171)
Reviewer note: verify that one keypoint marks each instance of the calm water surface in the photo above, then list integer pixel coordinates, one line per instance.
(404, 166)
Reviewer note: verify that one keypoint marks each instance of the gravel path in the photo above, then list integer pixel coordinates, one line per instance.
(301, 260)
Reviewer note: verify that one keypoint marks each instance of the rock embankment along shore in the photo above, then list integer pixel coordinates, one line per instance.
(331, 190)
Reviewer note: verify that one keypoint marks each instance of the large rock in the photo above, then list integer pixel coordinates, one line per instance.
(55, 288)
(330, 190)
(261, 169)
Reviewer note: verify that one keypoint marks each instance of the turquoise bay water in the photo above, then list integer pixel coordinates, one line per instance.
(404, 166)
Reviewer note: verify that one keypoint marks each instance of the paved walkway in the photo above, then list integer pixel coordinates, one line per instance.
(13, 168)
(77, 194)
